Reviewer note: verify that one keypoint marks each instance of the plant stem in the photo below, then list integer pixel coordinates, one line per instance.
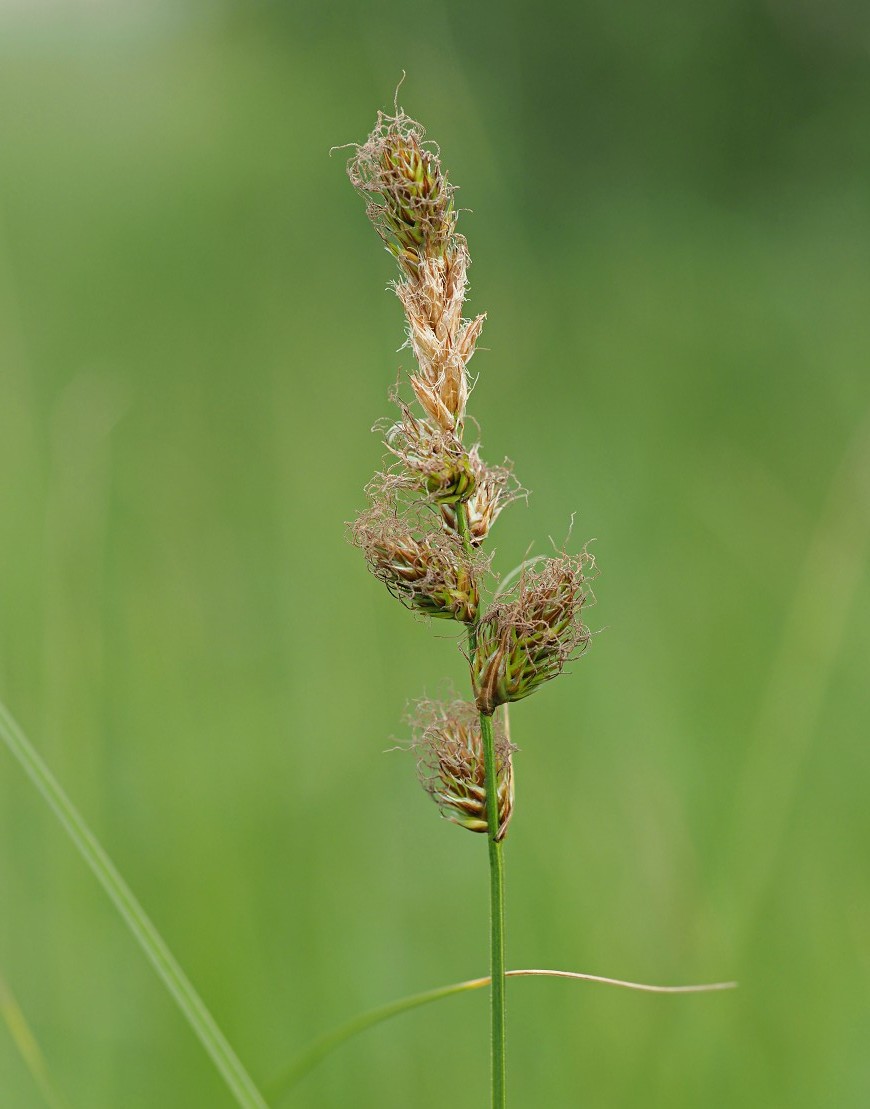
(496, 916)
(496, 868)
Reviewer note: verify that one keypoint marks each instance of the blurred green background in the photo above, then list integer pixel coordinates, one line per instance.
(670, 228)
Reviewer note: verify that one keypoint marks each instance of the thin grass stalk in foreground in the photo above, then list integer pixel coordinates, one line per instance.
(323, 1046)
(149, 939)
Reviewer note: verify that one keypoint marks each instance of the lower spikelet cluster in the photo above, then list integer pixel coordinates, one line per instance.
(450, 764)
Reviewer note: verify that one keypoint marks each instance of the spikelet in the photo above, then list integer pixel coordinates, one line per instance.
(450, 764)
(525, 642)
(442, 341)
(427, 570)
(409, 200)
(433, 461)
(495, 487)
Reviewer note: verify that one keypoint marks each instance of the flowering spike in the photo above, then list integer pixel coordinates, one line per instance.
(450, 764)
(410, 203)
(426, 570)
(525, 642)
(429, 555)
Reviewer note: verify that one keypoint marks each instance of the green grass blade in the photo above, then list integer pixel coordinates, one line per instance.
(149, 939)
(28, 1048)
(323, 1046)
(316, 1051)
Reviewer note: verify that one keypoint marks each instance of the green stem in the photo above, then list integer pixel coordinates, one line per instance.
(149, 939)
(496, 868)
(496, 916)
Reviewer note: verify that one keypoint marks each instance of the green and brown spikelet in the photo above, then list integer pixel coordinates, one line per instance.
(410, 203)
(424, 568)
(450, 763)
(433, 461)
(495, 487)
(525, 642)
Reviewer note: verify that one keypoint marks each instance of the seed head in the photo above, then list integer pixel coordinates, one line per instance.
(495, 487)
(425, 569)
(525, 642)
(451, 768)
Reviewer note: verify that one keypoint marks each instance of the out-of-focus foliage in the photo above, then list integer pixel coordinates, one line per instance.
(669, 233)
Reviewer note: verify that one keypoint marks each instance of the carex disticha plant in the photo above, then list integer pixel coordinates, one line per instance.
(431, 511)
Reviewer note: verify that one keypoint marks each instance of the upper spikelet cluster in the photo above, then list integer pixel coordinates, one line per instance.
(421, 557)
(410, 203)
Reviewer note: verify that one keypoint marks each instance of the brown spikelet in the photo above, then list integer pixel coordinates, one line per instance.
(450, 763)
(441, 339)
(424, 568)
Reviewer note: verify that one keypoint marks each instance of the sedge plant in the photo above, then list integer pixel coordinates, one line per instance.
(430, 514)
(424, 533)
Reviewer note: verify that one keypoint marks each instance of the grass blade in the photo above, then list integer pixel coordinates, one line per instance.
(323, 1046)
(149, 939)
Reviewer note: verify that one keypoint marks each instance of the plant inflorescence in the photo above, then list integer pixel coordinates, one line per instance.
(432, 507)
(431, 510)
